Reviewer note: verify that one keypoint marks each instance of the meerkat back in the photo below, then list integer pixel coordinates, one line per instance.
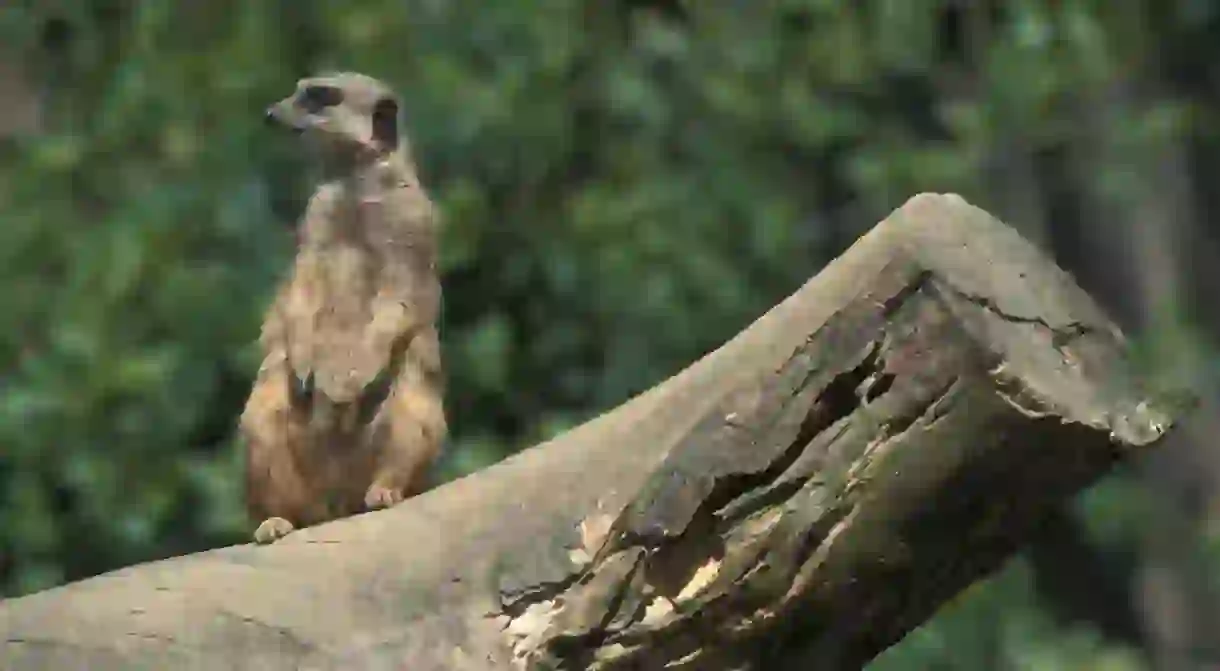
(347, 411)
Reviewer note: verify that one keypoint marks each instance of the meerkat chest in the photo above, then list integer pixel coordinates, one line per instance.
(344, 236)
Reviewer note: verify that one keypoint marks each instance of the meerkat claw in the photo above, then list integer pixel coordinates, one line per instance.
(271, 530)
(379, 496)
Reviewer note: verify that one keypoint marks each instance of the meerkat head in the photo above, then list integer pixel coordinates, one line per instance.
(345, 115)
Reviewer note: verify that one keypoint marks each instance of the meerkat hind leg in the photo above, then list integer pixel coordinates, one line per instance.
(399, 476)
(413, 422)
(272, 529)
(401, 466)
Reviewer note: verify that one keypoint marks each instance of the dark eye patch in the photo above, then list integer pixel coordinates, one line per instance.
(314, 99)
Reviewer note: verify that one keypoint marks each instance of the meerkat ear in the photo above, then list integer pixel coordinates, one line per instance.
(385, 123)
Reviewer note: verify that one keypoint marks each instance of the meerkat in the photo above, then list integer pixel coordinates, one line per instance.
(346, 413)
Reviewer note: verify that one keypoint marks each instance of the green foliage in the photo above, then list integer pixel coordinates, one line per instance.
(999, 625)
(625, 186)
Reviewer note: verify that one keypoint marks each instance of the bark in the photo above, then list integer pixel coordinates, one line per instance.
(800, 498)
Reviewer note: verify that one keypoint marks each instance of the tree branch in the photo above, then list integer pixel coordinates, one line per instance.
(806, 494)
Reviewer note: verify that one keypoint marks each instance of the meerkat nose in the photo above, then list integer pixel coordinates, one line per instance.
(269, 118)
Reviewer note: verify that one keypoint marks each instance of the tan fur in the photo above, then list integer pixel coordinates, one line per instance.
(353, 326)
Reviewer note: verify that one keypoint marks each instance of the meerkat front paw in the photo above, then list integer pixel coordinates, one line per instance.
(380, 496)
(271, 530)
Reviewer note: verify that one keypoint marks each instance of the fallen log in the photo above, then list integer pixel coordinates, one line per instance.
(800, 498)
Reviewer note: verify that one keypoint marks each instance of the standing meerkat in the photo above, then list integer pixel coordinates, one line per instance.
(346, 413)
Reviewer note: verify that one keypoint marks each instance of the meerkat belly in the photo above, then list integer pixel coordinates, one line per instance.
(345, 469)
(349, 278)
(339, 287)
(332, 339)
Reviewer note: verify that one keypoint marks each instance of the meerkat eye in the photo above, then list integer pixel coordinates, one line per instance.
(314, 99)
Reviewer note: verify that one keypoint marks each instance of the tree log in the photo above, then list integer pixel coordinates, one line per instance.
(800, 498)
